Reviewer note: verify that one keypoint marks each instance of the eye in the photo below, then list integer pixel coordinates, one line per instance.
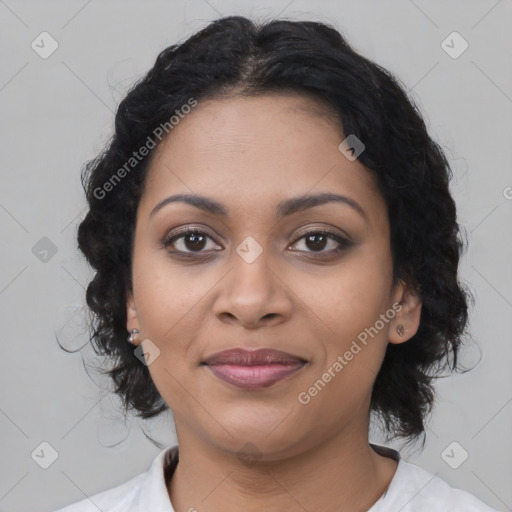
(188, 241)
(193, 240)
(319, 239)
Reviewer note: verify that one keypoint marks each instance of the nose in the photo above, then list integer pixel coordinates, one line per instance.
(253, 295)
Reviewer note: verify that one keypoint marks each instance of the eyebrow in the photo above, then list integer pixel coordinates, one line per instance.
(284, 208)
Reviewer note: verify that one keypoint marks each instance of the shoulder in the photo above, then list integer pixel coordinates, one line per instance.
(110, 500)
(145, 489)
(414, 489)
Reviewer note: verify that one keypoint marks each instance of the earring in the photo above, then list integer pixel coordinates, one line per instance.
(131, 336)
(401, 330)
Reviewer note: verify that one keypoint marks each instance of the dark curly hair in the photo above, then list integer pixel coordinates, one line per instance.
(235, 55)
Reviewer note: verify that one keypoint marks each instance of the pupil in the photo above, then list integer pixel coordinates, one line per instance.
(194, 245)
(315, 245)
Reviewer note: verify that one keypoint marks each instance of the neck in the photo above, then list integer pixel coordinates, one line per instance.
(341, 473)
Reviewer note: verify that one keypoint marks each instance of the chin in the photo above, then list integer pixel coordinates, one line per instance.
(261, 441)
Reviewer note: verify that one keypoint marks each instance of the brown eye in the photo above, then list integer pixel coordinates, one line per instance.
(317, 241)
(194, 241)
(188, 241)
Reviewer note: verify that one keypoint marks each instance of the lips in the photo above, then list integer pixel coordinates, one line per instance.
(253, 369)
(243, 357)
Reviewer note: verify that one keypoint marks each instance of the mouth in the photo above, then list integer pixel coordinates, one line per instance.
(253, 369)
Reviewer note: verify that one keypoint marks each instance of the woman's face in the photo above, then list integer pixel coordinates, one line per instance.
(260, 275)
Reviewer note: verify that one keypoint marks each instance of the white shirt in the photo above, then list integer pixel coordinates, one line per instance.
(412, 489)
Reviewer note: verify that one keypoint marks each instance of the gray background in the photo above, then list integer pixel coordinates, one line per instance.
(58, 112)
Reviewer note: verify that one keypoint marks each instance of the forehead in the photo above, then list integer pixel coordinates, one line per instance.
(252, 152)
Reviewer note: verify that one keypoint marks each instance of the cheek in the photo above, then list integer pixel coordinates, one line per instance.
(350, 303)
(166, 293)
(166, 303)
(354, 340)
(351, 297)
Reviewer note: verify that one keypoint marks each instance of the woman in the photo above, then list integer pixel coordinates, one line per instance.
(272, 225)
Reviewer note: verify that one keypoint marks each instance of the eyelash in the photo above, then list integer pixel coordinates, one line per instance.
(343, 242)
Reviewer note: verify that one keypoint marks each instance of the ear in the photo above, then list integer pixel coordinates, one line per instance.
(409, 314)
(132, 321)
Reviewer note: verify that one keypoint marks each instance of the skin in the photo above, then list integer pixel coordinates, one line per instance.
(250, 153)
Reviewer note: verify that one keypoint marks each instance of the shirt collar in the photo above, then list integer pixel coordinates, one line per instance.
(385, 451)
(153, 493)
